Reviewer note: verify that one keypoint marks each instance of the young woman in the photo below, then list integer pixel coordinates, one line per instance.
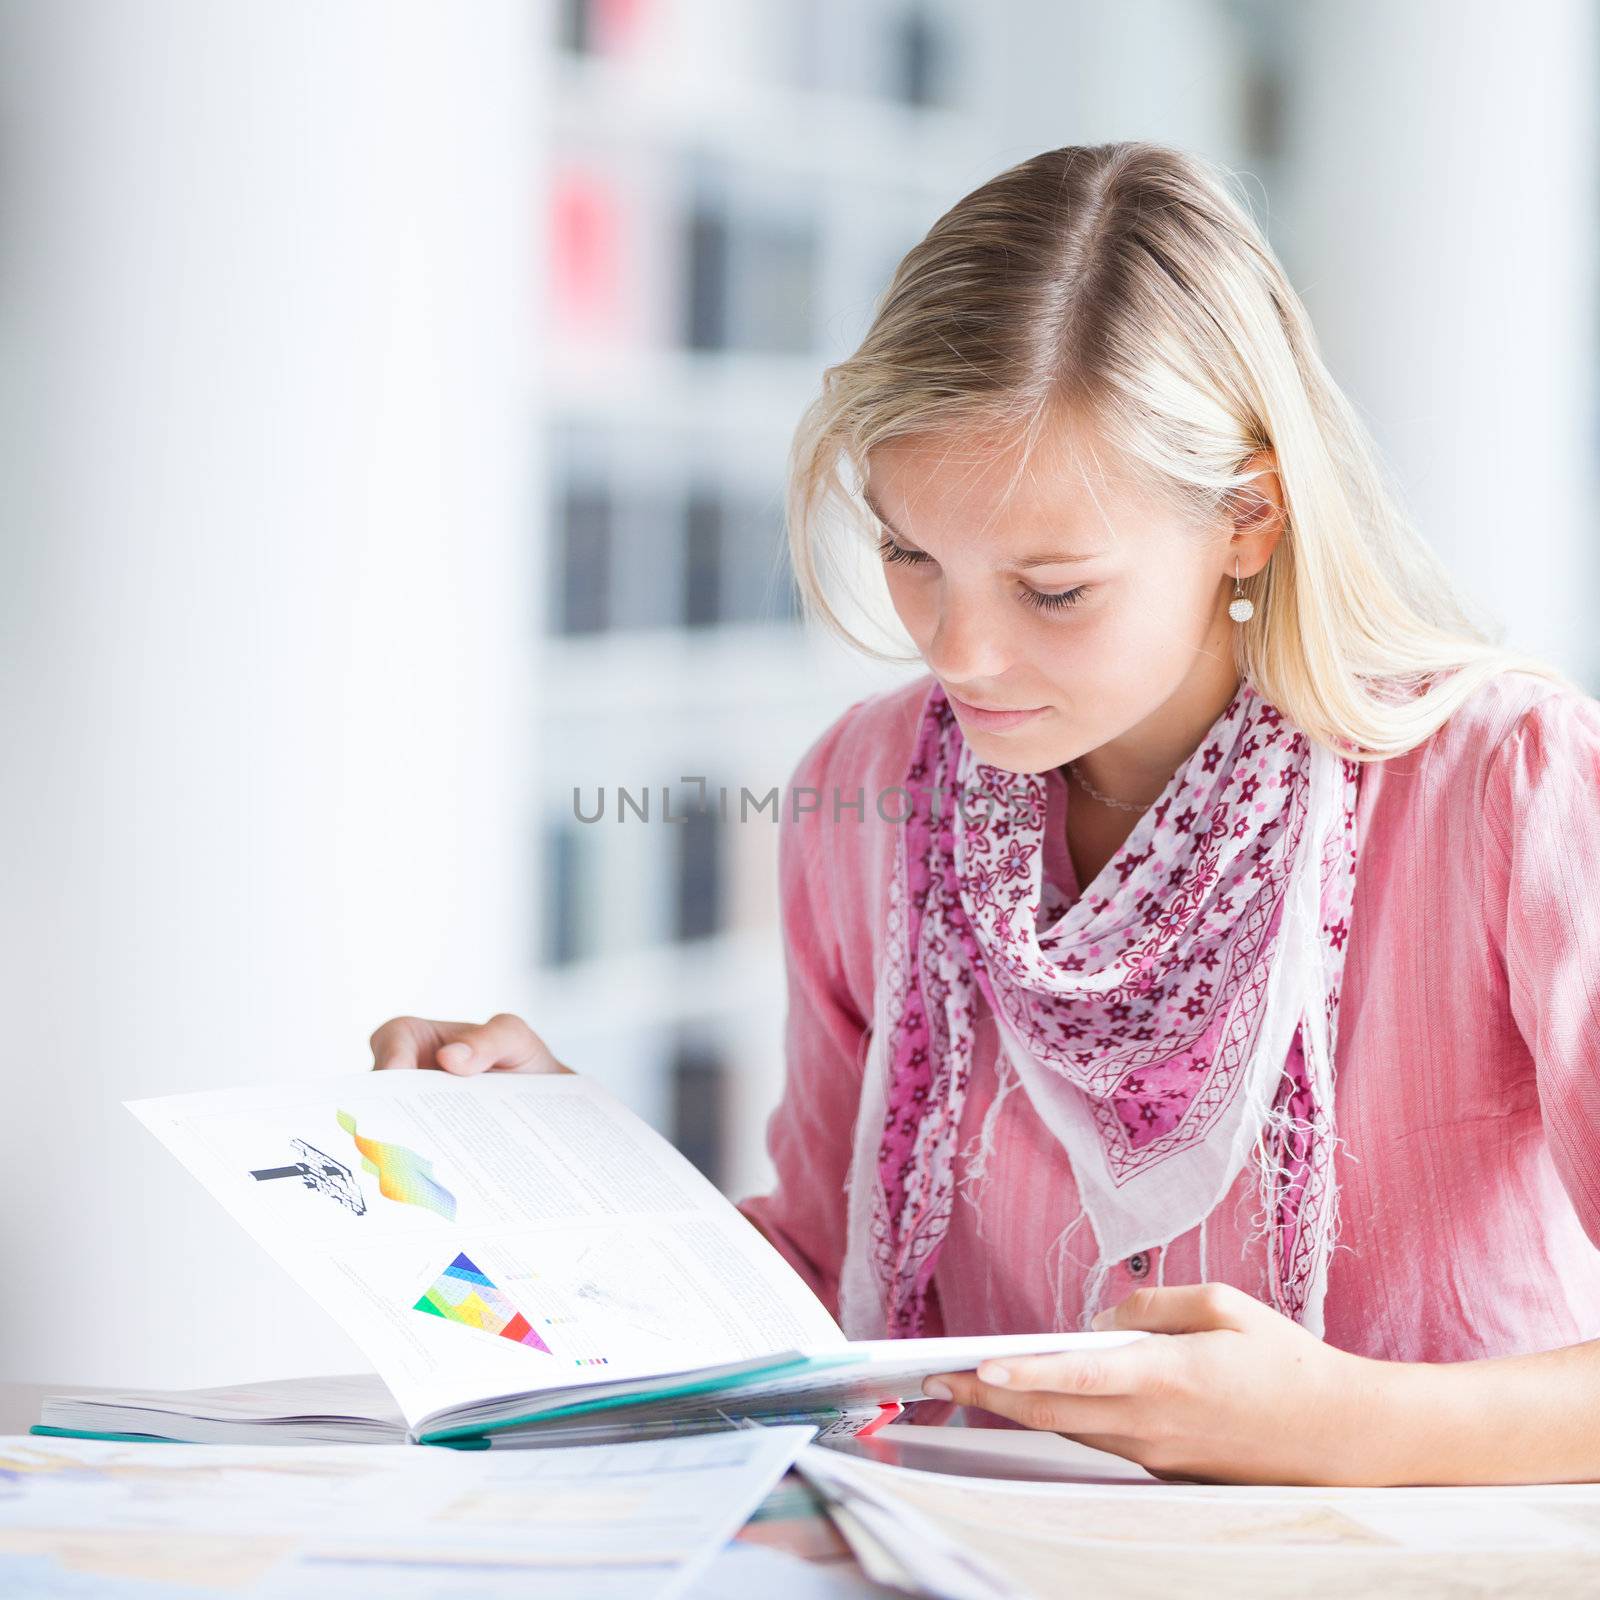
(1216, 829)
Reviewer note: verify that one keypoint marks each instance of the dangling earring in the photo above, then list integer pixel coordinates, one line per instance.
(1241, 608)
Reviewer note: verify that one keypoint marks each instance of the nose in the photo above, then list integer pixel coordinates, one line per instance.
(968, 644)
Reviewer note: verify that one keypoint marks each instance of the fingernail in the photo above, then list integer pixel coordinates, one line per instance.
(993, 1374)
(456, 1051)
(1100, 1319)
(936, 1390)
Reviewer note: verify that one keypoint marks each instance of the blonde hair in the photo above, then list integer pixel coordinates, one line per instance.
(1128, 283)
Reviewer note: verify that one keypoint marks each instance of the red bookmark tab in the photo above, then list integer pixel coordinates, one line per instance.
(887, 1412)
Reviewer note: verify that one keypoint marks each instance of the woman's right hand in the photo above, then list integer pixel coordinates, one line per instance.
(504, 1043)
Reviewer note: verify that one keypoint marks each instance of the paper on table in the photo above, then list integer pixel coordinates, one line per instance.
(1038, 1541)
(742, 1570)
(897, 1543)
(594, 1522)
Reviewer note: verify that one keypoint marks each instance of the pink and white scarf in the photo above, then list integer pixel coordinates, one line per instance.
(1177, 1017)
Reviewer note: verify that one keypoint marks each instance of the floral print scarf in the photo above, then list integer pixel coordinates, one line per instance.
(1179, 1015)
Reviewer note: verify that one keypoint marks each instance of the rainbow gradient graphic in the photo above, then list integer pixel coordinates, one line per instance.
(465, 1294)
(402, 1174)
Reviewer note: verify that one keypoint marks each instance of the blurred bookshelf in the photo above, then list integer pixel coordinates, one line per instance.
(729, 187)
(730, 184)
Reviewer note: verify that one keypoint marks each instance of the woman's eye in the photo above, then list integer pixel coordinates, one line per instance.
(1057, 602)
(1060, 601)
(890, 551)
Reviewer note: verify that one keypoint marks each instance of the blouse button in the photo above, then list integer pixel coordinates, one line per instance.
(1138, 1264)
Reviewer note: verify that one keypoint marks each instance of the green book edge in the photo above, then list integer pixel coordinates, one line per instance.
(163, 1438)
(117, 1438)
(638, 1397)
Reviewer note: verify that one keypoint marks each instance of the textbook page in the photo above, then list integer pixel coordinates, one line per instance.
(494, 1235)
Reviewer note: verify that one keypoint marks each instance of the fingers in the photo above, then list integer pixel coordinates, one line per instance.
(504, 1043)
(1184, 1308)
(397, 1043)
(1121, 1369)
(1037, 1408)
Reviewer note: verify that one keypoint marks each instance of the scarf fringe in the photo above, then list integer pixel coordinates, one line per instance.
(975, 1158)
(1279, 1129)
(1093, 1288)
(1056, 1271)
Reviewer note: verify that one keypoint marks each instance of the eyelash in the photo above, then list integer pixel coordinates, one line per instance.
(890, 551)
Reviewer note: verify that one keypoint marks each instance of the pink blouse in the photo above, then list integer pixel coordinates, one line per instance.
(1468, 1080)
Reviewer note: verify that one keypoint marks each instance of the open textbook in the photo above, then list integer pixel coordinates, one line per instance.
(523, 1260)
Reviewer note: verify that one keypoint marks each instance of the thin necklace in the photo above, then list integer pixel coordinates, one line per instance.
(1105, 799)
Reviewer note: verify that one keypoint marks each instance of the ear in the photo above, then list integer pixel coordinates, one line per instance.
(1256, 513)
(1259, 503)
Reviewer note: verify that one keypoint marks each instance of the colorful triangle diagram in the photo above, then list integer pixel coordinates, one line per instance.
(464, 1293)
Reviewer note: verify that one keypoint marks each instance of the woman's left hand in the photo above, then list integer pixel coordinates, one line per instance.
(1226, 1390)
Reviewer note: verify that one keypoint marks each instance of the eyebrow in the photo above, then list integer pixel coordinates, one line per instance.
(1048, 559)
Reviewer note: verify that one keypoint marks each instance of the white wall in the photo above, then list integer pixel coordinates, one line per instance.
(1440, 216)
(1085, 72)
(264, 389)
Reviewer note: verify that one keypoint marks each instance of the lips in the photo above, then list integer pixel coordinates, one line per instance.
(991, 718)
(962, 704)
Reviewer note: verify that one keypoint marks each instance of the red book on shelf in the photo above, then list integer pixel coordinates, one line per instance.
(586, 254)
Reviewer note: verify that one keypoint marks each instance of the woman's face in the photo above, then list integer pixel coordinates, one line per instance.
(1081, 598)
